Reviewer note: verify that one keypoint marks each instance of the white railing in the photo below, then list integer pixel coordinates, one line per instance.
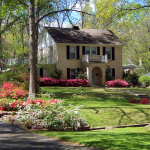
(95, 58)
(16, 61)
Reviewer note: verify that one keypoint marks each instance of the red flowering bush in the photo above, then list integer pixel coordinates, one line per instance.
(117, 83)
(133, 101)
(41, 102)
(11, 90)
(61, 82)
(11, 106)
(142, 101)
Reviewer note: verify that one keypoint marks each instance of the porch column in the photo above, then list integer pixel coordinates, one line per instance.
(103, 75)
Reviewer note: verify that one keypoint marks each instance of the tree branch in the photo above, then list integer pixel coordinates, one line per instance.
(23, 3)
(145, 6)
(57, 12)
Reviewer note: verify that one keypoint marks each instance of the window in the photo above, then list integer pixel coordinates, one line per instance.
(90, 50)
(108, 52)
(72, 52)
(72, 73)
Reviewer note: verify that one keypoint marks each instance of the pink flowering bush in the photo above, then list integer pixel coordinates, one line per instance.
(142, 101)
(11, 90)
(61, 82)
(117, 83)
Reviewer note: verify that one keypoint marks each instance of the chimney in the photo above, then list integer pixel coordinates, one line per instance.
(75, 27)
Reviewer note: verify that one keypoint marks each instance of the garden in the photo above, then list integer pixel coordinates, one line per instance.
(73, 105)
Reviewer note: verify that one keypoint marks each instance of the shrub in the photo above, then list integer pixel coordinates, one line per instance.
(61, 82)
(117, 83)
(145, 80)
(19, 77)
(132, 78)
(142, 101)
(11, 90)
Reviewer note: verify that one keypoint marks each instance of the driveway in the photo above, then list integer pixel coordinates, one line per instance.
(14, 138)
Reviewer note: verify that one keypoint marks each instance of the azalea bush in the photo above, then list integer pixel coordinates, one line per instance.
(61, 82)
(142, 101)
(11, 106)
(12, 90)
(117, 83)
(19, 77)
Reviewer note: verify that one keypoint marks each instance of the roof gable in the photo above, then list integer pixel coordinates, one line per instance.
(83, 36)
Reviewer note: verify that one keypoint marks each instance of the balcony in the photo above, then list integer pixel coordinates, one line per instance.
(94, 59)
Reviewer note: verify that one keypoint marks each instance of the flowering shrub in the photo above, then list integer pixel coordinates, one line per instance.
(142, 101)
(12, 106)
(117, 83)
(11, 90)
(61, 82)
(133, 101)
(55, 116)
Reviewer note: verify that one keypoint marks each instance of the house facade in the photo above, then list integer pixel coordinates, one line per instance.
(70, 48)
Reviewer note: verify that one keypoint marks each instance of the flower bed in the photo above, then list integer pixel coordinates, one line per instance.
(49, 115)
(61, 82)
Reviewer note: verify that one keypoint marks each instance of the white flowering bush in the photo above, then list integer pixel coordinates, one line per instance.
(53, 114)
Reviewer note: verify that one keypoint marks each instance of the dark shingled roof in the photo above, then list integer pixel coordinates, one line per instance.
(83, 36)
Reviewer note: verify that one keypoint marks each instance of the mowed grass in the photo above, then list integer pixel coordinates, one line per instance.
(103, 107)
(114, 139)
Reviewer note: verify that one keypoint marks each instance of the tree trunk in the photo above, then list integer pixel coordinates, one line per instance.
(0, 31)
(32, 84)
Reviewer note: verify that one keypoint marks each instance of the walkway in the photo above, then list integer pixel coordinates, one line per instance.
(14, 138)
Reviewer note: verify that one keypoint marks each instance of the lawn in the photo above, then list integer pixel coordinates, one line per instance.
(103, 107)
(114, 139)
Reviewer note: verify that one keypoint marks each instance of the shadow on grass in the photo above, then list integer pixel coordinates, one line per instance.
(107, 140)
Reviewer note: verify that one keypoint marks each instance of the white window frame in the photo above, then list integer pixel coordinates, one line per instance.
(73, 74)
(70, 52)
(91, 50)
(110, 48)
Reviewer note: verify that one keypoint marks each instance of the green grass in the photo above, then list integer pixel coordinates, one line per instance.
(114, 139)
(103, 107)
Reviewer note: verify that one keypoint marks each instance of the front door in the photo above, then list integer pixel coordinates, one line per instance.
(97, 76)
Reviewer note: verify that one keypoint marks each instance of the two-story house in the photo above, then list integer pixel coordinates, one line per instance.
(96, 49)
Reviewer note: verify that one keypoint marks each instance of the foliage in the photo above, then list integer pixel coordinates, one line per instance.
(21, 78)
(108, 74)
(145, 80)
(82, 74)
(132, 78)
(61, 82)
(11, 90)
(56, 74)
(118, 83)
